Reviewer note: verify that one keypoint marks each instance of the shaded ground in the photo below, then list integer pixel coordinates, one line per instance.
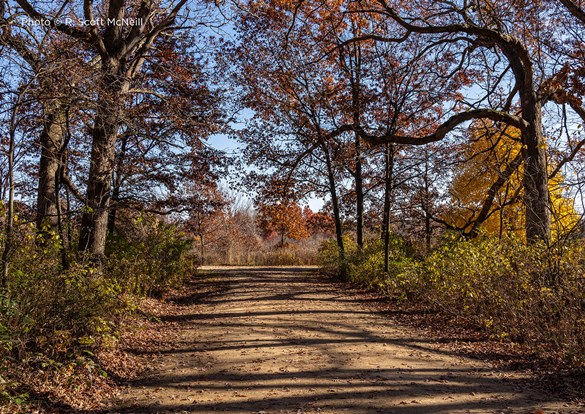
(285, 340)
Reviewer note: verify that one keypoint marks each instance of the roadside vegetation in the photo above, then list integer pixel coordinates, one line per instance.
(56, 323)
(526, 294)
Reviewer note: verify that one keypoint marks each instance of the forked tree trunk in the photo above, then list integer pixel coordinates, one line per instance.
(94, 222)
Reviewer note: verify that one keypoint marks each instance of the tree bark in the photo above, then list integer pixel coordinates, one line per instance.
(535, 180)
(51, 140)
(335, 206)
(388, 178)
(536, 194)
(94, 222)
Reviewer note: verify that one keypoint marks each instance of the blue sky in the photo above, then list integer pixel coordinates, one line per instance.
(232, 147)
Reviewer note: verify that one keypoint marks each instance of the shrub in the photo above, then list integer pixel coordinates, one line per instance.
(53, 320)
(328, 256)
(150, 256)
(366, 266)
(51, 311)
(528, 294)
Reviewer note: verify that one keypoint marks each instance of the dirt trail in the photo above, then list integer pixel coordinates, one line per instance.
(288, 341)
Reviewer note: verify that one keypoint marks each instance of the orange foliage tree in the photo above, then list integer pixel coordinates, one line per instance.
(279, 212)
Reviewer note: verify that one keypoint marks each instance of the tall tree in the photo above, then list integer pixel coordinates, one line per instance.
(508, 32)
(122, 50)
(53, 60)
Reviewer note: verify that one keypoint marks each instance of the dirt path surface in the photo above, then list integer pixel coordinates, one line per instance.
(275, 340)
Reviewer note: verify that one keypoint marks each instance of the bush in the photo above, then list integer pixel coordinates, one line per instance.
(150, 256)
(527, 294)
(54, 319)
(328, 256)
(54, 312)
(51, 311)
(366, 266)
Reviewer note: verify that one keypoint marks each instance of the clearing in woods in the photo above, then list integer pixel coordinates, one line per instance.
(287, 340)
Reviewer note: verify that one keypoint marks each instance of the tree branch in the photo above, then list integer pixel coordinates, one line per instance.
(73, 188)
(575, 10)
(446, 127)
(64, 28)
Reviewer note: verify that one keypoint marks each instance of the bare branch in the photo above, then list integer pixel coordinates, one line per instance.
(575, 10)
(64, 28)
(446, 127)
(73, 188)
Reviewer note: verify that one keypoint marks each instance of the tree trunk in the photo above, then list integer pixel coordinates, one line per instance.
(94, 222)
(535, 180)
(503, 178)
(52, 136)
(62, 247)
(388, 178)
(9, 229)
(118, 176)
(427, 205)
(335, 206)
(282, 233)
(428, 233)
(536, 194)
(359, 194)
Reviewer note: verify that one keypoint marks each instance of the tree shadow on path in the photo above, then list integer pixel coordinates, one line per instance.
(276, 340)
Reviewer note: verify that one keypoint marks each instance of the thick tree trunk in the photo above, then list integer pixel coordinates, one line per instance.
(51, 141)
(536, 194)
(94, 222)
(535, 180)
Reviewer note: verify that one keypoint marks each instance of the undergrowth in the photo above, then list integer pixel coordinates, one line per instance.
(526, 294)
(54, 320)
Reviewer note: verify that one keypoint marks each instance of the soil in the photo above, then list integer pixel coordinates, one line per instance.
(288, 340)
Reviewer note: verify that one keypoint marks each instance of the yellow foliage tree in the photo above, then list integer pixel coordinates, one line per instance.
(486, 189)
